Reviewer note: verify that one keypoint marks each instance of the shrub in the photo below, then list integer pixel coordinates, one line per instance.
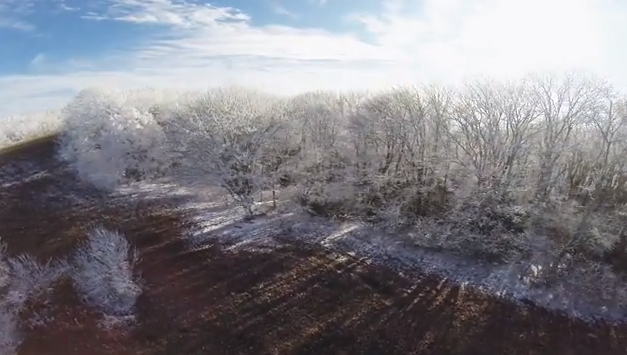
(109, 139)
(103, 272)
(30, 278)
(21, 278)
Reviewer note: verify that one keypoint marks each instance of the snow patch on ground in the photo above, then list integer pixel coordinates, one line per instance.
(499, 280)
(216, 221)
(22, 180)
(228, 224)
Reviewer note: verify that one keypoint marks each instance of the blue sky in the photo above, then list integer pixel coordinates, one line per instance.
(50, 49)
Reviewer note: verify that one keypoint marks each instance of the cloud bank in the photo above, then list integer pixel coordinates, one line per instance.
(195, 45)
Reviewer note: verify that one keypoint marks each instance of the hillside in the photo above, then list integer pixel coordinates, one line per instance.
(488, 218)
(296, 299)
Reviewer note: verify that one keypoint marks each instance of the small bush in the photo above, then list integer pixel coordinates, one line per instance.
(31, 278)
(21, 278)
(327, 201)
(103, 272)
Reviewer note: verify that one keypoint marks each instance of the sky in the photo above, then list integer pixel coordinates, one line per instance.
(51, 49)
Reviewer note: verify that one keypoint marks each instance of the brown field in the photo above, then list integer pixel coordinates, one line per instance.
(296, 300)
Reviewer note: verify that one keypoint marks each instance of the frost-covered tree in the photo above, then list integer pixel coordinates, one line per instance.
(111, 138)
(492, 131)
(319, 122)
(221, 139)
(503, 169)
(565, 103)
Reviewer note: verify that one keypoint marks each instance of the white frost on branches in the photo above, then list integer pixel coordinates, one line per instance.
(221, 139)
(512, 172)
(102, 271)
(110, 138)
(21, 278)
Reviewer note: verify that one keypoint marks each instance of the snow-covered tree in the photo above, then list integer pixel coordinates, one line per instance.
(109, 138)
(221, 139)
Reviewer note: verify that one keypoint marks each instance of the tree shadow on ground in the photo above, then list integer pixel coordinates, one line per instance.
(301, 299)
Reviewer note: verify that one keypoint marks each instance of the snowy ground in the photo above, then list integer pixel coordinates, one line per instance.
(217, 221)
(18, 181)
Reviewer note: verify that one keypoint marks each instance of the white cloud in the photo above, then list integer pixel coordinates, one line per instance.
(15, 24)
(38, 60)
(12, 14)
(167, 12)
(279, 76)
(65, 7)
(444, 41)
(280, 10)
(505, 37)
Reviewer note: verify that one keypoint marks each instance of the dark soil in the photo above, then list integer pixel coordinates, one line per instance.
(295, 300)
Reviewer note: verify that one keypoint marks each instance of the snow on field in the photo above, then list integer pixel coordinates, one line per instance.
(217, 221)
(20, 180)
(21, 128)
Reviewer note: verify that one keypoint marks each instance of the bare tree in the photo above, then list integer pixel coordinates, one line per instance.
(565, 103)
(493, 126)
(221, 140)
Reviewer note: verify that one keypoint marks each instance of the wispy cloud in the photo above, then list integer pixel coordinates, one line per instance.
(280, 10)
(174, 13)
(13, 14)
(16, 24)
(65, 7)
(38, 60)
